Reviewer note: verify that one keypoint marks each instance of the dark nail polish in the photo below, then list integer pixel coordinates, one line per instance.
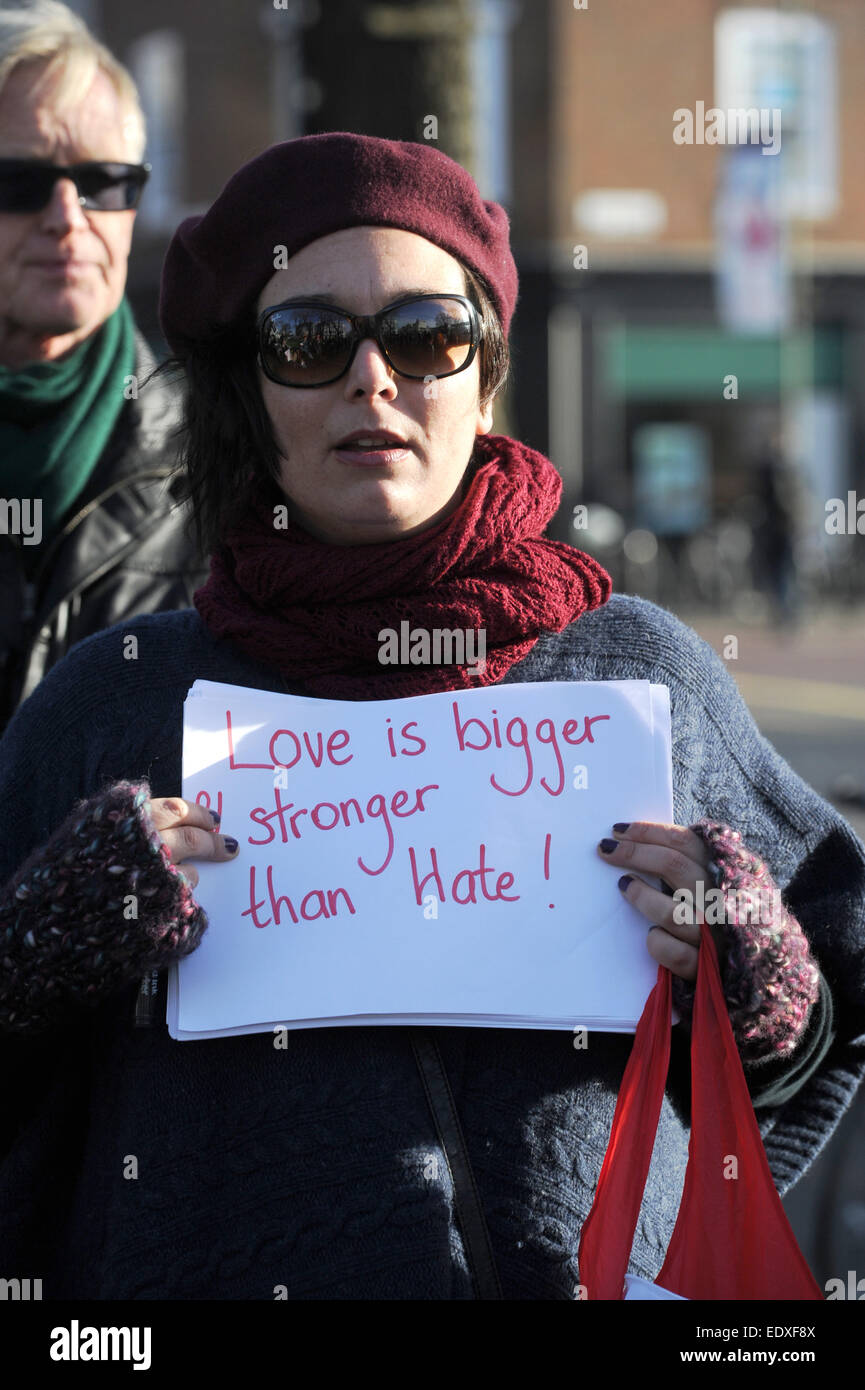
(621, 826)
(216, 816)
(230, 844)
(607, 846)
(625, 880)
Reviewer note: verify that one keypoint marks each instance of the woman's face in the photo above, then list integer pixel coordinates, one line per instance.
(354, 502)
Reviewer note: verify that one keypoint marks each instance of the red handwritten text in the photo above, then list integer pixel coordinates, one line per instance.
(286, 748)
(464, 885)
(327, 815)
(319, 902)
(517, 735)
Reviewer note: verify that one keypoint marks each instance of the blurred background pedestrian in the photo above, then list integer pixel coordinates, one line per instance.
(91, 531)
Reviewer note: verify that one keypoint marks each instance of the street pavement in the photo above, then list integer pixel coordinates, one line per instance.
(805, 688)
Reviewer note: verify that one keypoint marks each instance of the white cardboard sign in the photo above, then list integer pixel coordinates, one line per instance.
(424, 860)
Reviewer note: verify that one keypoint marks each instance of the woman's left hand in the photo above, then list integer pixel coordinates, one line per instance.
(681, 859)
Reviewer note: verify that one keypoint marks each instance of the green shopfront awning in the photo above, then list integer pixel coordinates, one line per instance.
(675, 363)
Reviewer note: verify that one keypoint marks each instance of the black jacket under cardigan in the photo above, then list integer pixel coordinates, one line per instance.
(121, 550)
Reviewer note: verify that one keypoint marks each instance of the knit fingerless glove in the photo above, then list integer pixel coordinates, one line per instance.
(94, 908)
(769, 979)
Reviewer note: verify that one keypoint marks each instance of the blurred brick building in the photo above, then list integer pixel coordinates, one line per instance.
(566, 115)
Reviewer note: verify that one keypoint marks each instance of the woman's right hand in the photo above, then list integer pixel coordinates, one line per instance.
(189, 831)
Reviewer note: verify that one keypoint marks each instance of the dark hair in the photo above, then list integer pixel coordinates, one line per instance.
(227, 448)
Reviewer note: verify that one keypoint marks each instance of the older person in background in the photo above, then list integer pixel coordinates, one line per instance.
(89, 529)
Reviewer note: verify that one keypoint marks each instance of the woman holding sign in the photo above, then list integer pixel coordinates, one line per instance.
(342, 314)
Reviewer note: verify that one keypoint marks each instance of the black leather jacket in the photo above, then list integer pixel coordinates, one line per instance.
(123, 549)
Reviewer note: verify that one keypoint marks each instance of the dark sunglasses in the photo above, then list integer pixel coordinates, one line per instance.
(420, 336)
(26, 185)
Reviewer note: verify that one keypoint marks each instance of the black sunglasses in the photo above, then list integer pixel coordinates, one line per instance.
(420, 336)
(26, 185)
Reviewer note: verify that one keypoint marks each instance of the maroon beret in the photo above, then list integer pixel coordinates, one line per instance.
(216, 265)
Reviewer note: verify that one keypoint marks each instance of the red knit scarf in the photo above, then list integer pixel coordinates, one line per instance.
(315, 610)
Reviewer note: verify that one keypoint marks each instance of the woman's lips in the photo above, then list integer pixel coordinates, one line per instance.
(372, 458)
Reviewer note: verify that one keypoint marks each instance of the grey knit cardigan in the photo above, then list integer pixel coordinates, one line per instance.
(133, 1166)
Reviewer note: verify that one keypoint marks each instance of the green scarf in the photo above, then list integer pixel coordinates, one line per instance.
(56, 417)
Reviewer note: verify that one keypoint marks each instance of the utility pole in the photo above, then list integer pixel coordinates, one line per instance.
(431, 50)
(400, 71)
(434, 73)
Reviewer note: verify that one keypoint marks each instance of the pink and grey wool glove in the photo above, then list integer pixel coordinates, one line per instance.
(769, 978)
(94, 908)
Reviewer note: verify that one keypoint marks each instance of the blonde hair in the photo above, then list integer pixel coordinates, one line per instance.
(47, 32)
